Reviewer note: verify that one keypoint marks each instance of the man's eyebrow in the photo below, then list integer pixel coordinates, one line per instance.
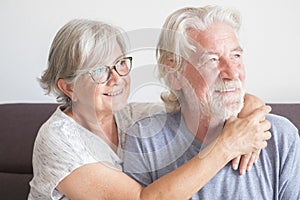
(207, 53)
(238, 49)
(204, 55)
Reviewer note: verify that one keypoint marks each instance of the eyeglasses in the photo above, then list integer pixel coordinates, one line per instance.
(102, 74)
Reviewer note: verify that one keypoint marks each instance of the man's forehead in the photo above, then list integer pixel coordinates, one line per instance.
(214, 39)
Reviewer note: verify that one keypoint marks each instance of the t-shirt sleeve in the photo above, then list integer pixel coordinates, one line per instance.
(58, 151)
(136, 164)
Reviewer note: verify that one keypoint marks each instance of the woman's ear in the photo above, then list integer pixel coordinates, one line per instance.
(67, 89)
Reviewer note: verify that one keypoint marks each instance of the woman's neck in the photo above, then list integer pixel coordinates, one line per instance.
(103, 125)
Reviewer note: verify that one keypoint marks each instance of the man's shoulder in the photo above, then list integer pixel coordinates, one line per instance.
(280, 123)
(134, 112)
(283, 131)
(156, 120)
(156, 130)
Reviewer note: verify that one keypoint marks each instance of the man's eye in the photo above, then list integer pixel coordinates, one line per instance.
(213, 60)
(209, 60)
(237, 56)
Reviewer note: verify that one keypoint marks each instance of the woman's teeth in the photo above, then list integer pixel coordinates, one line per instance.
(114, 93)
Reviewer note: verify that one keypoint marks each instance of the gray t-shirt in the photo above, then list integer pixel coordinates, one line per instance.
(161, 143)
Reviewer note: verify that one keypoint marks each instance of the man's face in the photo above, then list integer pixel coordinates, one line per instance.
(215, 73)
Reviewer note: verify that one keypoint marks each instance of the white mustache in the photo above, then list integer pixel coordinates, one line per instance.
(227, 86)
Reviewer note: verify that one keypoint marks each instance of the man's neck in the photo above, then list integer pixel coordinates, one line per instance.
(205, 128)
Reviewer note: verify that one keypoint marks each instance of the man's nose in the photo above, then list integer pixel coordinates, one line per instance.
(228, 70)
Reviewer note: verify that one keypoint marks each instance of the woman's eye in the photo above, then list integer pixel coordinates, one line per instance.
(122, 62)
(99, 71)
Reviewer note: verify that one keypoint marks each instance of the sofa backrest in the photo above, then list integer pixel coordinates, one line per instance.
(19, 125)
(290, 111)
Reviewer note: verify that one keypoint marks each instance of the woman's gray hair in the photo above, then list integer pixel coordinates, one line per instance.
(174, 43)
(79, 45)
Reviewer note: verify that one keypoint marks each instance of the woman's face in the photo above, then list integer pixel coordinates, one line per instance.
(103, 98)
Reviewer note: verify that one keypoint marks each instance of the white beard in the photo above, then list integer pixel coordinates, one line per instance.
(221, 107)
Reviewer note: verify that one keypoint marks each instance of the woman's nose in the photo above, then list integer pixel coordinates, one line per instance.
(114, 77)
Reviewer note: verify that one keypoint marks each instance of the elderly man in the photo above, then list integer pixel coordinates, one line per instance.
(200, 60)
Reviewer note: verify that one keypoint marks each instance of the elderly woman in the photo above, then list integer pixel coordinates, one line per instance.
(77, 151)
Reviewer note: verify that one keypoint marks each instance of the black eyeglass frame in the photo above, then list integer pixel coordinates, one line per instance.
(110, 68)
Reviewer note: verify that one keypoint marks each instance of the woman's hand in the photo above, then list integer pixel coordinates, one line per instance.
(251, 103)
(242, 136)
(245, 162)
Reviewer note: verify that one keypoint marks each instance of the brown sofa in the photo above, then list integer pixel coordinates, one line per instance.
(18, 128)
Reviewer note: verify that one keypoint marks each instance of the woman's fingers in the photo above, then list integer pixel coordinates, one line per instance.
(265, 124)
(246, 135)
(256, 124)
(266, 135)
(260, 113)
(247, 161)
(235, 162)
(253, 159)
(244, 163)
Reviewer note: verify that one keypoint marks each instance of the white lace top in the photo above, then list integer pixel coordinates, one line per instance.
(62, 145)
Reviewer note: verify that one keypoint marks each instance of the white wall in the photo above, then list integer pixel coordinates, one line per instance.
(270, 37)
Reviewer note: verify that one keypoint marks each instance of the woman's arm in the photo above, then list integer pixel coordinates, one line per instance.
(100, 181)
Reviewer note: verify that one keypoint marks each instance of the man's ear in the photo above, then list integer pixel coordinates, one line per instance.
(173, 76)
(67, 89)
(174, 80)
